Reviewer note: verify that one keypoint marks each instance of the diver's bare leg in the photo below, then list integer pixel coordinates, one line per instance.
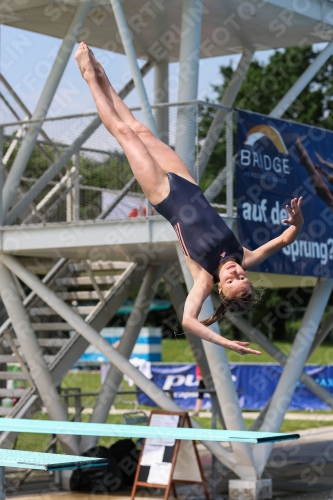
(161, 152)
(146, 170)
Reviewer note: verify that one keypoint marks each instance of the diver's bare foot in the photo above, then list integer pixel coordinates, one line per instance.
(83, 59)
(100, 73)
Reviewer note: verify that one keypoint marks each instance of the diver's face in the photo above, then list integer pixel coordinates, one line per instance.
(233, 280)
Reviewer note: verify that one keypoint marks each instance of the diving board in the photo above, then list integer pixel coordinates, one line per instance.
(47, 461)
(137, 431)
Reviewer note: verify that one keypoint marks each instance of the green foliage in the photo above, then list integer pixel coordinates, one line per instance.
(112, 173)
(266, 84)
(292, 328)
(40, 160)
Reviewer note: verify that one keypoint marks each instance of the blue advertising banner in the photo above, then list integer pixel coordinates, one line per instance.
(276, 161)
(255, 384)
(180, 379)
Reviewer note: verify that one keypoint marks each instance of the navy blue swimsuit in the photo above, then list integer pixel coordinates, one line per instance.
(202, 233)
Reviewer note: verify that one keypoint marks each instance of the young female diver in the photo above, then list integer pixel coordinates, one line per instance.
(210, 247)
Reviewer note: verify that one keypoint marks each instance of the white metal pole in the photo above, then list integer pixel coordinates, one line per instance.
(69, 195)
(37, 365)
(76, 189)
(1, 190)
(48, 279)
(293, 368)
(161, 95)
(1, 176)
(230, 164)
(178, 298)
(13, 144)
(189, 58)
(127, 342)
(228, 100)
(44, 102)
(322, 334)
(224, 386)
(63, 181)
(302, 82)
(133, 63)
(2, 484)
(78, 324)
(216, 186)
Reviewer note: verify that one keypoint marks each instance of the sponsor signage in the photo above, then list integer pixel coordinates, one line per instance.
(255, 385)
(179, 379)
(276, 161)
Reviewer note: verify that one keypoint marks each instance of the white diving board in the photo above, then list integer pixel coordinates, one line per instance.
(137, 431)
(47, 461)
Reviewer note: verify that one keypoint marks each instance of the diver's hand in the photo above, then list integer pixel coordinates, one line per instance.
(295, 213)
(241, 347)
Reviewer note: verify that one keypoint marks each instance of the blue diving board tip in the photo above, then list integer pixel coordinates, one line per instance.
(47, 461)
(138, 431)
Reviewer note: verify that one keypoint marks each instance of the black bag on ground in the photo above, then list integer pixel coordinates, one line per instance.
(98, 479)
(126, 455)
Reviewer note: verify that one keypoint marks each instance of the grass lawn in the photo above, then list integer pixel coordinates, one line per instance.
(287, 425)
(301, 425)
(179, 351)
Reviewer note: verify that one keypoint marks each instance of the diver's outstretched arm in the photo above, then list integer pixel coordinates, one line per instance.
(295, 221)
(192, 308)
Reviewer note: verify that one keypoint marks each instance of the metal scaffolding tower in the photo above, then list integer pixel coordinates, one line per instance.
(110, 256)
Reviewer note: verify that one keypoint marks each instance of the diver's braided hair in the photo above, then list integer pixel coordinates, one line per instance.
(239, 304)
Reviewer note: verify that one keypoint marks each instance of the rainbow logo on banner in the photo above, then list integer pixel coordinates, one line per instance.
(260, 131)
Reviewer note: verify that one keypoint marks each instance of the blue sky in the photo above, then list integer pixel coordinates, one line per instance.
(26, 60)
